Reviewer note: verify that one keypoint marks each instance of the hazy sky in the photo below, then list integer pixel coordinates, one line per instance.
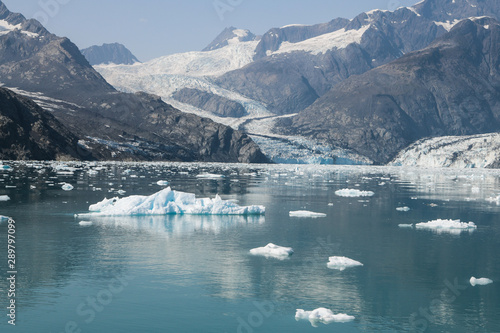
(153, 28)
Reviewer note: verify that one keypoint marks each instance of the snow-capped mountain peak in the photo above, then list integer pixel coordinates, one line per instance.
(230, 35)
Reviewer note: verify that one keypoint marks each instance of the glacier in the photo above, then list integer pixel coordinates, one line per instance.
(168, 201)
(341, 263)
(322, 315)
(273, 251)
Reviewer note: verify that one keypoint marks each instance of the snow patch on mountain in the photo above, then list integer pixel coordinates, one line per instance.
(476, 151)
(448, 25)
(6, 27)
(339, 39)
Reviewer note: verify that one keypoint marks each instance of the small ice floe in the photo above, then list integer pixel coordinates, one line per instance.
(405, 225)
(210, 176)
(480, 282)
(85, 223)
(273, 251)
(162, 183)
(448, 226)
(322, 315)
(305, 213)
(3, 218)
(350, 193)
(341, 263)
(4, 198)
(168, 202)
(494, 200)
(403, 209)
(121, 192)
(67, 187)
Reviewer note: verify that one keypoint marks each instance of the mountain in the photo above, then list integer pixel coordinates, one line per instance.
(27, 132)
(474, 151)
(52, 71)
(451, 87)
(114, 53)
(230, 36)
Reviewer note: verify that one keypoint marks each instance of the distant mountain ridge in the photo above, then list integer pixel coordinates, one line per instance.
(114, 53)
(230, 35)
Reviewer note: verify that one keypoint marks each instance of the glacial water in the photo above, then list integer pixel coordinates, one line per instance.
(194, 273)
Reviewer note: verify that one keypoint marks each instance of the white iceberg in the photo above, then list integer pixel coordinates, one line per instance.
(272, 250)
(4, 198)
(168, 202)
(341, 263)
(210, 176)
(480, 282)
(67, 187)
(162, 183)
(403, 209)
(85, 223)
(405, 225)
(322, 315)
(448, 226)
(351, 193)
(305, 213)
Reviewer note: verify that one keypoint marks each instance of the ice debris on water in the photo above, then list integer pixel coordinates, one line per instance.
(480, 282)
(210, 176)
(67, 187)
(3, 218)
(4, 198)
(449, 226)
(494, 200)
(403, 209)
(351, 193)
(85, 223)
(167, 202)
(273, 251)
(341, 263)
(322, 315)
(162, 183)
(305, 213)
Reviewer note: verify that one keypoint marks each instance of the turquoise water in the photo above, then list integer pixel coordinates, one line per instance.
(195, 273)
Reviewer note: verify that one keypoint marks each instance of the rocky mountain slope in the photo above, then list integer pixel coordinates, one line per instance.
(452, 87)
(106, 54)
(53, 72)
(27, 132)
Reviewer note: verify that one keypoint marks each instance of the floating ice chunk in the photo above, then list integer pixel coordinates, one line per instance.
(121, 192)
(210, 176)
(494, 200)
(272, 250)
(322, 315)
(5, 167)
(168, 201)
(4, 218)
(162, 183)
(403, 209)
(448, 226)
(405, 225)
(480, 282)
(350, 193)
(342, 263)
(85, 223)
(67, 187)
(4, 198)
(305, 213)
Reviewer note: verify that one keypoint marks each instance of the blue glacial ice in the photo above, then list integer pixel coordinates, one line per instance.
(168, 202)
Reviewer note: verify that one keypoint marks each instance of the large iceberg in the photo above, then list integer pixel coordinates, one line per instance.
(168, 202)
(322, 315)
(341, 263)
(352, 193)
(272, 250)
(448, 226)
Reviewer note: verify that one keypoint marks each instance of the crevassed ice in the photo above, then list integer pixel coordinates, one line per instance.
(272, 250)
(322, 315)
(168, 201)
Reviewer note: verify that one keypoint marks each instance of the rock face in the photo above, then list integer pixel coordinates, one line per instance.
(56, 75)
(27, 132)
(230, 35)
(289, 72)
(452, 87)
(218, 105)
(114, 53)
